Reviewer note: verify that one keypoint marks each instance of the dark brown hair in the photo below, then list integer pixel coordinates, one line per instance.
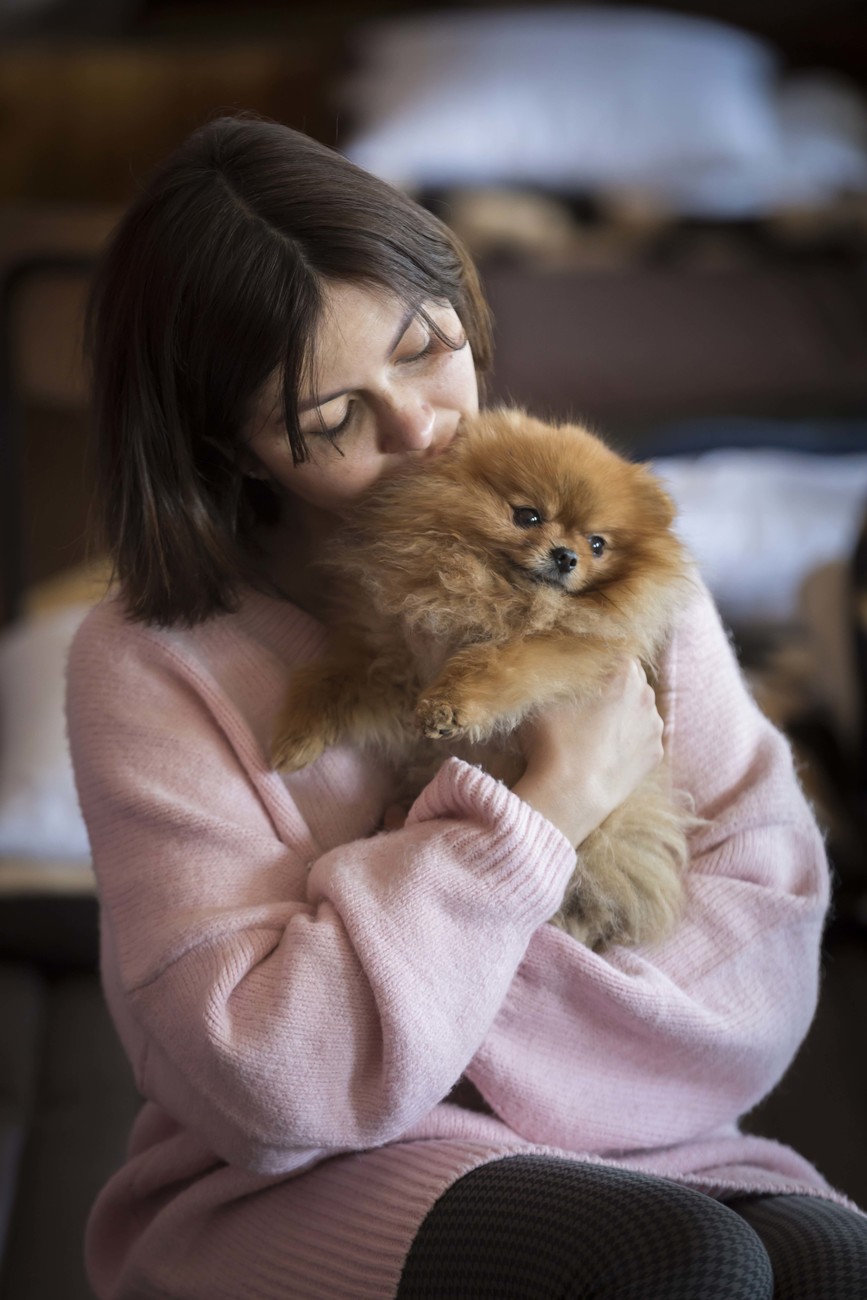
(210, 284)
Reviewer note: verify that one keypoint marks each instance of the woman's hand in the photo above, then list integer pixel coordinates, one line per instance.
(394, 817)
(583, 760)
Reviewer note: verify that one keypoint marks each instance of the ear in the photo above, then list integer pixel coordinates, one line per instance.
(654, 499)
(251, 466)
(512, 416)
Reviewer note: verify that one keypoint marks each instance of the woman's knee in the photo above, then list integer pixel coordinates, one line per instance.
(531, 1225)
(686, 1244)
(817, 1248)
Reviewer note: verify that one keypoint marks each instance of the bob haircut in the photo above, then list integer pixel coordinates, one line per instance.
(210, 284)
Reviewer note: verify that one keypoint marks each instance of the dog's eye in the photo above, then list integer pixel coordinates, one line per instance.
(597, 544)
(526, 516)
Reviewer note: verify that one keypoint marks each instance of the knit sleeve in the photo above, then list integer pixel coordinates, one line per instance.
(637, 1049)
(273, 1003)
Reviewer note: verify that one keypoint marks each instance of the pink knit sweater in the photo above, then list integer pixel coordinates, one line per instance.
(297, 993)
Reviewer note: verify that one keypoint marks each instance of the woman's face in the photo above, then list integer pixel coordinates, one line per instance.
(383, 384)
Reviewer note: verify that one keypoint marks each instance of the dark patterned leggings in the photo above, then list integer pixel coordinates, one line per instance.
(533, 1227)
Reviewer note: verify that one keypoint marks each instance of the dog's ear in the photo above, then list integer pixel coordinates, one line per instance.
(651, 497)
(508, 417)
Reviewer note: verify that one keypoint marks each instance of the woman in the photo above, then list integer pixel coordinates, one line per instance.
(370, 1066)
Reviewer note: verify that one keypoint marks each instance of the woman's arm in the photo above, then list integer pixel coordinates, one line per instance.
(274, 997)
(582, 763)
(634, 1049)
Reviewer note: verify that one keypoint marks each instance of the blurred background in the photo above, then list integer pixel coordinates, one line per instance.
(668, 205)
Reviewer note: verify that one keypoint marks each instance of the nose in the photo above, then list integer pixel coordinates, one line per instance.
(564, 559)
(408, 426)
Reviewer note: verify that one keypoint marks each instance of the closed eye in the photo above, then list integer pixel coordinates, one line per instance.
(428, 348)
(332, 430)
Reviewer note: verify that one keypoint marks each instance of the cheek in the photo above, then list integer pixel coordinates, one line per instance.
(331, 481)
(323, 481)
(273, 460)
(455, 384)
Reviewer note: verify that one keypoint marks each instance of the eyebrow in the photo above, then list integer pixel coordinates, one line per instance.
(315, 401)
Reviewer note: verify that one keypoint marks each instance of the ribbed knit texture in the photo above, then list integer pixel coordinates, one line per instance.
(297, 993)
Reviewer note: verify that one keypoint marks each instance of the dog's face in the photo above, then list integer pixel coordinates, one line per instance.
(550, 506)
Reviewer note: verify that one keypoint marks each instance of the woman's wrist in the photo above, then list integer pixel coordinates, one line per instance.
(575, 813)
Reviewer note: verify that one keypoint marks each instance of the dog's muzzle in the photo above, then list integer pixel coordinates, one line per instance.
(564, 560)
(557, 568)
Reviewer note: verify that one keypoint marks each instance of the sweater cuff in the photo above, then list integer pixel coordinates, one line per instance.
(523, 852)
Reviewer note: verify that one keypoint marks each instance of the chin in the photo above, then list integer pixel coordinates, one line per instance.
(516, 567)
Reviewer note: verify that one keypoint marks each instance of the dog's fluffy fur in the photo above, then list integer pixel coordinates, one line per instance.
(516, 568)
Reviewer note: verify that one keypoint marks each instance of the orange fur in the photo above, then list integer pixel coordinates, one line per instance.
(455, 617)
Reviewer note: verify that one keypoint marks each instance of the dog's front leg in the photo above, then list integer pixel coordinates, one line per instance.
(340, 697)
(489, 683)
(320, 698)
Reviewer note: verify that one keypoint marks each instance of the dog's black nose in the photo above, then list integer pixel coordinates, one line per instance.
(564, 559)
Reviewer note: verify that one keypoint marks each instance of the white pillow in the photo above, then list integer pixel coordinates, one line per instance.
(39, 813)
(821, 153)
(565, 97)
(760, 522)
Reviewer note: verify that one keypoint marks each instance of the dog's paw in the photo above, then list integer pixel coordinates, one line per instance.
(438, 719)
(291, 751)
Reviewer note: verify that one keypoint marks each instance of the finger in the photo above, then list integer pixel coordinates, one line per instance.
(394, 817)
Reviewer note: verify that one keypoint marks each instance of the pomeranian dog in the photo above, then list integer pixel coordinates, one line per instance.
(516, 568)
